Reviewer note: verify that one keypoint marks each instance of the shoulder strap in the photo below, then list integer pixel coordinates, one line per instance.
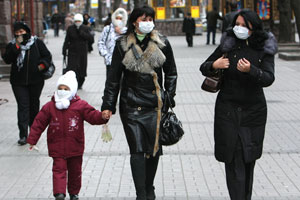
(38, 50)
(107, 34)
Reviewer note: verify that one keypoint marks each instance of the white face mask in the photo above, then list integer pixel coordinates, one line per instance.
(64, 94)
(241, 32)
(146, 27)
(78, 24)
(119, 23)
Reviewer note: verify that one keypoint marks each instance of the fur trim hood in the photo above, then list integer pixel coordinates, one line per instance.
(228, 42)
(149, 59)
(122, 12)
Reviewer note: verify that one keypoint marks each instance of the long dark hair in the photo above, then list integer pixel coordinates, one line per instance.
(136, 13)
(259, 35)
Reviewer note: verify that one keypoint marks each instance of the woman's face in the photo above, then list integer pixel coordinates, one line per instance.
(140, 19)
(20, 32)
(241, 22)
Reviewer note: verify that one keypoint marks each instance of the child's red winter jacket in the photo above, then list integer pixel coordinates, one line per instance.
(65, 135)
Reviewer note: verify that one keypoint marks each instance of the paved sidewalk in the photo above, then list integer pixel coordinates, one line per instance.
(188, 170)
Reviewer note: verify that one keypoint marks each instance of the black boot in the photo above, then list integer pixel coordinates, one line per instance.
(74, 197)
(59, 196)
(137, 162)
(22, 141)
(151, 167)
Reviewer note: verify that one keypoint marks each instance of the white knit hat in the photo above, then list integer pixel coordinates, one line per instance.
(68, 79)
(78, 17)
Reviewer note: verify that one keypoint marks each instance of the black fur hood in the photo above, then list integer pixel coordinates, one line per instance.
(228, 42)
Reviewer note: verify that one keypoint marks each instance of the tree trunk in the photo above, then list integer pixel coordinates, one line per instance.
(285, 26)
(87, 6)
(139, 3)
(116, 4)
(100, 12)
(295, 4)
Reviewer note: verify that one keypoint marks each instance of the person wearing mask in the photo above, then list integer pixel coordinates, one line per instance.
(65, 141)
(75, 47)
(29, 57)
(110, 34)
(143, 63)
(246, 59)
(227, 21)
(188, 28)
(212, 18)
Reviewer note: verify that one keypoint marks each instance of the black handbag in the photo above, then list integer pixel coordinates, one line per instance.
(171, 130)
(213, 83)
(49, 72)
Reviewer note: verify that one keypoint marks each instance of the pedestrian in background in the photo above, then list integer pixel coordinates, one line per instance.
(188, 28)
(69, 20)
(246, 57)
(28, 57)
(212, 19)
(75, 47)
(87, 20)
(228, 18)
(145, 59)
(56, 22)
(64, 115)
(110, 34)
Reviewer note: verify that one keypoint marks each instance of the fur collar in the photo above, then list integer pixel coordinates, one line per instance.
(228, 42)
(149, 59)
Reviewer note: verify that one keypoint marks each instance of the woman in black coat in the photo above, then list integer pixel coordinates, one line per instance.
(246, 56)
(145, 58)
(28, 57)
(76, 48)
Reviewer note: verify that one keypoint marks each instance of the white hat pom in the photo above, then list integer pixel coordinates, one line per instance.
(78, 17)
(69, 79)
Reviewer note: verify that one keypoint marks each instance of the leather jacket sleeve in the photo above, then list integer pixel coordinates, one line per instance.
(112, 84)
(170, 71)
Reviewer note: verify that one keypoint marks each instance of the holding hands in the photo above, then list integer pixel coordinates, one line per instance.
(106, 114)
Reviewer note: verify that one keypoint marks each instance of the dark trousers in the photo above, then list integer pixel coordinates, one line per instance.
(28, 100)
(108, 67)
(239, 176)
(80, 81)
(213, 31)
(189, 39)
(143, 172)
(67, 171)
(56, 30)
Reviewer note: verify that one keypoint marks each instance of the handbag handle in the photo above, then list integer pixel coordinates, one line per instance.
(170, 103)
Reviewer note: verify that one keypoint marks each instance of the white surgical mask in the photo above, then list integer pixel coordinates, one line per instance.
(241, 32)
(146, 27)
(64, 94)
(119, 23)
(78, 24)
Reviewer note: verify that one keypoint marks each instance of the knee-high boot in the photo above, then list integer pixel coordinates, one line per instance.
(137, 162)
(151, 167)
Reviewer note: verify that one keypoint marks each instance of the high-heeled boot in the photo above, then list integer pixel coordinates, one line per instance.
(151, 167)
(137, 162)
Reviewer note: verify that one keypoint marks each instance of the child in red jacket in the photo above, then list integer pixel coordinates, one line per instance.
(64, 115)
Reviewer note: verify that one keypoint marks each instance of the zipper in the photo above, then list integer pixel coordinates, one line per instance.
(64, 135)
(28, 55)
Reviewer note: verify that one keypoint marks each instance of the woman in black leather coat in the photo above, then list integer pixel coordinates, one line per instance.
(145, 58)
(246, 56)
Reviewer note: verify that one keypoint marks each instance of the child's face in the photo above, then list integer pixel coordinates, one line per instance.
(63, 87)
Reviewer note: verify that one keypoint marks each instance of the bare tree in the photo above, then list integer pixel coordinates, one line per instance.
(295, 4)
(116, 4)
(285, 26)
(87, 6)
(100, 11)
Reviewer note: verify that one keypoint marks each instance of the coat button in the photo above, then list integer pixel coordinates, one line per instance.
(239, 109)
(139, 108)
(234, 56)
(153, 92)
